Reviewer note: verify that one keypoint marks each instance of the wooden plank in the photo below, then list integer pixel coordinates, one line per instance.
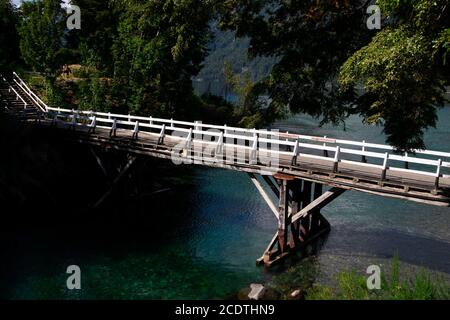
(315, 214)
(283, 214)
(296, 205)
(283, 176)
(272, 185)
(319, 203)
(267, 253)
(116, 181)
(305, 223)
(99, 162)
(264, 194)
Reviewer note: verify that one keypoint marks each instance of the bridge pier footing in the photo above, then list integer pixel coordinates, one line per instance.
(300, 221)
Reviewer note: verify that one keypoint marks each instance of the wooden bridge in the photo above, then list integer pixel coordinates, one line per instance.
(294, 167)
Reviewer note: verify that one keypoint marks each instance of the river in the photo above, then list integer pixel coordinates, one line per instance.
(211, 254)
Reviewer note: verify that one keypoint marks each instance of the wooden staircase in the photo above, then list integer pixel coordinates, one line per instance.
(20, 106)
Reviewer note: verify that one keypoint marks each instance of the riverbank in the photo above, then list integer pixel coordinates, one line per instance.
(397, 282)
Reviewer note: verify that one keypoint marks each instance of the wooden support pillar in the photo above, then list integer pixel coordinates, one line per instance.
(122, 173)
(264, 195)
(283, 216)
(305, 224)
(99, 162)
(299, 219)
(296, 206)
(272, 185)
(315, 215)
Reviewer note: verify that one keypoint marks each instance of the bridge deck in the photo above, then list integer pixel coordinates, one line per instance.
(397, 184)
(319, 160)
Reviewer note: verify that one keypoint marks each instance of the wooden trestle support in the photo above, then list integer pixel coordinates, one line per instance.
(298, 213)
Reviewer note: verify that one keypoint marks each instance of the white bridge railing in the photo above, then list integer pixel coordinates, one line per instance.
(334, 151)
(18, 96)
(36, 100)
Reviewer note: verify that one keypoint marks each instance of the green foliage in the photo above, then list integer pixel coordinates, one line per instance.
(442, 46)
(95, 39)
(216, 110)
(396, 284)
(403, 71)
(141, 56)
(94, 94)
(53, 95)
(41, 34)
(401, 87)
(352, 286)
(325, 51)
(249, 107)
(241, 83)
(301, 276)
(9, 45)
(136, 56)
(159, 47)
(310, 40)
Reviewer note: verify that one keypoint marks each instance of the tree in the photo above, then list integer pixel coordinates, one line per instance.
(41, 42)
(9, 39)
(247, 108)
(95, 39)
(311, 40)
(41, 34)
(325, 51)
(404, 70)
(160, 46)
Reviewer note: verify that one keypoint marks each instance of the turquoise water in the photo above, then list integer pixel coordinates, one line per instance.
(225, 226)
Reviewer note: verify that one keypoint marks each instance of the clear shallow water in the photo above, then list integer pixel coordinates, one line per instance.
(212, 253)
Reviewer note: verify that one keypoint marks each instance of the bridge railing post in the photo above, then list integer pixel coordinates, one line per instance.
(438, 173)
(385, 166)
(254, 152)
(136, 131)
(337, 159)
(189, 139)
(296, 152)
(113, 131)
(55, 119)
(74, 119)
(196, 125)
(93, 125)
(325, 152)
(219, 148)
(363, 149)
(162, 134)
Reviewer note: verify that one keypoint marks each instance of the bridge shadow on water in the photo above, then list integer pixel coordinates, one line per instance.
(422, 251)
(128, 248)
